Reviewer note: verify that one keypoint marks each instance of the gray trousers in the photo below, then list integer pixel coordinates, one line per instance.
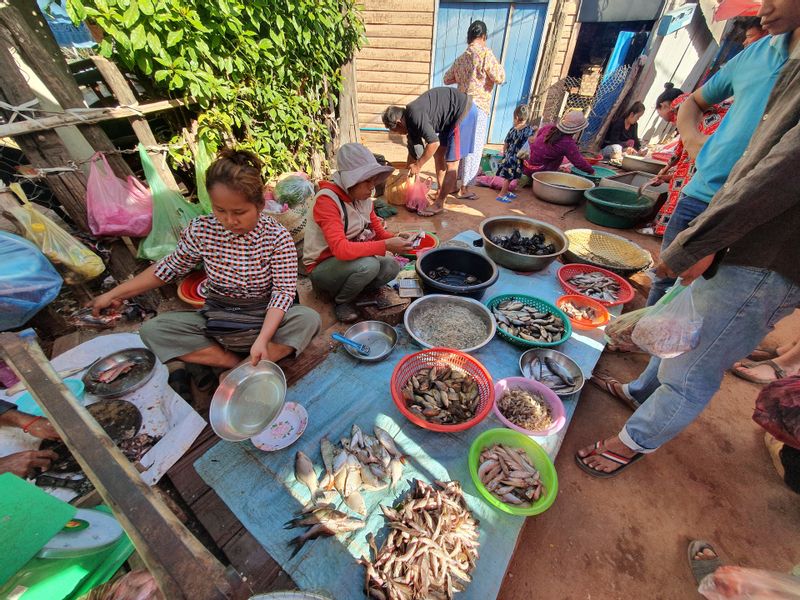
(346, 279)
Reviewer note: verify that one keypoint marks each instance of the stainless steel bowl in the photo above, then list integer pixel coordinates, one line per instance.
(565, 361)
(527, 227)
(436, 301)
(560, 188)
(642, 163)
(144, 363)
(379, 336)
(247, 401)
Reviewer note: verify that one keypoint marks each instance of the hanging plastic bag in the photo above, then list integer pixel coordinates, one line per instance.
(417, 194)
(294, 189)
(76, 262)
(202, 160)
(671, 326)
(28, 282)
(171, 214)
(739, 583)
(115, 207)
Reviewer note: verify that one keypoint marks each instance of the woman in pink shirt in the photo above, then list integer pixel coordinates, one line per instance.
(554, 142)
(475, 72)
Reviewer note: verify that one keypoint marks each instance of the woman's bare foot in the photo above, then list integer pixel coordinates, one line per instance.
(591, 456)
(765, 371)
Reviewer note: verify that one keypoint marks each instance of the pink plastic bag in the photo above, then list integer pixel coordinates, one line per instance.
(739, 583)
(417, 194)
(495, 182)
(116, 207)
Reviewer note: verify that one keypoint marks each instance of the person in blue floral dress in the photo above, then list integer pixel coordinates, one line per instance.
(511, 166)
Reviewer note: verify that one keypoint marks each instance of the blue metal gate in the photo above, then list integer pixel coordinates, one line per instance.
(514, 34)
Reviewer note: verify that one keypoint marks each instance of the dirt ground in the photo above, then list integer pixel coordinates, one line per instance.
(626, 538)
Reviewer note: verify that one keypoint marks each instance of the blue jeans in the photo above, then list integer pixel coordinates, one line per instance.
(686, 211)
(739, 306)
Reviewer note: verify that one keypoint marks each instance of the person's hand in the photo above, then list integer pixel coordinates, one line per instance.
(664, 272)
(694, 144)
(398, 245)
(43, 429)
(629, 150)
(104, 301)
(258, 351)
(690, 274)
(24, 464)
(413, 169)
(664, 176)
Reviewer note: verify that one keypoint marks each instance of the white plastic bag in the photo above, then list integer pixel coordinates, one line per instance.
(671, 326)
(739, 583)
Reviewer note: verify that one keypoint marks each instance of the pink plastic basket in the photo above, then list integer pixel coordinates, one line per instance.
(556, 407)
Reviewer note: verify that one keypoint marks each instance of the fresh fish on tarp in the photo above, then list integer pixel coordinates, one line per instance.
(431, 549)
(322, 521)
(551, 373)
(509, 475)
(527, 322)
(304, 472)
(596, 285)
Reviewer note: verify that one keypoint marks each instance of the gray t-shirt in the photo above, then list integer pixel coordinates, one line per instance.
(430, 117)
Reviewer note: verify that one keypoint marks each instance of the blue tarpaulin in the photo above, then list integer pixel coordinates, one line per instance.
(261, 491)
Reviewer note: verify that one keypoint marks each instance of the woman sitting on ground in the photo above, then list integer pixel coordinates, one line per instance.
(623, 134)
(554, 142)
(345, 244)
(251, 264)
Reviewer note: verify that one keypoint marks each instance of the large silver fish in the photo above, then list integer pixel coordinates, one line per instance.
(304, 472)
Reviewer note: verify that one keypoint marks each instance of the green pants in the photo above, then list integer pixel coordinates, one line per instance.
(346, 279)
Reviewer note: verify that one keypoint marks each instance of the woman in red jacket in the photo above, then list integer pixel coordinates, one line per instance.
(345, 244)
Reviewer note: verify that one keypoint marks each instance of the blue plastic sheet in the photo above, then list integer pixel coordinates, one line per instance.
(261, 491)
(28, 281)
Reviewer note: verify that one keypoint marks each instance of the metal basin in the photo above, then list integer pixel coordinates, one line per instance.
(379, 336)
(642, 163)
(458, 260)
(527, 227)
(436, 301)
(565, 361)
(247, 401)
(560, 188)
(144, 363)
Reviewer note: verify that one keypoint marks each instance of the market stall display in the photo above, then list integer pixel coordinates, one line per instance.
(554, 369)
(527, 406)
(454, 322)
(617, 208)
(529, 322)
(602, 285)
(583, 312)
(560, 188)
(607, 251)
(456, 271)
(504, 236)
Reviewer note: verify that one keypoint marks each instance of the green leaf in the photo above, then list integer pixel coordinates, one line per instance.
(144, 63)
(138, 37)
(131, 15)
(279, 21)
(177, 82)
(161, 75)
(154, 43)
(173, 37)
(146, 6)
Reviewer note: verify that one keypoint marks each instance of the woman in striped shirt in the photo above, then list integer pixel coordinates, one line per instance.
(251, 264)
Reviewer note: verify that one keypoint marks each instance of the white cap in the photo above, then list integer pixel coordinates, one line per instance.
(355, 163)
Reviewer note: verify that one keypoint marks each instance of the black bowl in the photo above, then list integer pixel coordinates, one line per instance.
(461, 262)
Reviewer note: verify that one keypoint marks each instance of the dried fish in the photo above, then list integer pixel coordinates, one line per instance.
(431, 548)
(449, 325)
(535, 245)
(525, 409)
(528, 323)
(585, 313)
(442, 395)
(137, 446)
(322, 521)
(115, 372)
(509, 475)
(597, 285)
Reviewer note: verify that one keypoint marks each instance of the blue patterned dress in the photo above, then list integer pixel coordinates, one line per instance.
(511, 166)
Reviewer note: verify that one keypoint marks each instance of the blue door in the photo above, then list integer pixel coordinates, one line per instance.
(514, 33)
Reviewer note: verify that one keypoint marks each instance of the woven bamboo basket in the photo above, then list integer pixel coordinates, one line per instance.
(606, 250)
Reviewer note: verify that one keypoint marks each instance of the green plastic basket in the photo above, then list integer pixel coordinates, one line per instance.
(539, 458)
(623, 203)
(541, 306)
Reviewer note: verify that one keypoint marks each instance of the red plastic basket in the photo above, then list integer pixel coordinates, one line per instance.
(569, 271)
(413, 363)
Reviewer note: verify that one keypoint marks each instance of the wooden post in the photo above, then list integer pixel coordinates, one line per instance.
(348, 105)
(181, 565)
(124, 95)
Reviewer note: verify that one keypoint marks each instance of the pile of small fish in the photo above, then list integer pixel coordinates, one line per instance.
(525, 409)
(527, 322)
(446, 276)
(322, 520)
(360, 463)
(509, 475)
(442, 395)
(551, 373)
(583, 313)
(516, 242)
(431, 549)
(596, 285)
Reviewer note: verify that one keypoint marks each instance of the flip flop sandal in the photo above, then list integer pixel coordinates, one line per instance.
(749, 364)
(702, 567)
(760, 354)
(470, 196)
(598, 450)
(511, 195)
(607, 384)
(503, 199)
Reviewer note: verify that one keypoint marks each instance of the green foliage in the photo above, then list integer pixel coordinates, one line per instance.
(264, 71)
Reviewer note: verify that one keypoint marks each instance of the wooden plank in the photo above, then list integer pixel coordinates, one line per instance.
(386, 99)
(409, 43)
(374, 17)
(216, 517)
(369, 108)
(391, 76)
(383, 66)
(262, 573)
(394, 54)
(400, 5)
(372, 87)
(181, 565)
(375, 30)
(348, 107)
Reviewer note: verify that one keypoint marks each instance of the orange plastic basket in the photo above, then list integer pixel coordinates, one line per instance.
(413, 363)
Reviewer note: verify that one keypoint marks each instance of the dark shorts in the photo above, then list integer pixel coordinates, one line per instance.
(460, 140)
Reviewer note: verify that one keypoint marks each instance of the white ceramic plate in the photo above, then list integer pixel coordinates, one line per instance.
(284, 431)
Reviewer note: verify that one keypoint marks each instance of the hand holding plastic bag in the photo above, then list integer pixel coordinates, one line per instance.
(671, 326)
(171, 214)
(417, 194)
(77, 262)
(739, 583)
(115, 207)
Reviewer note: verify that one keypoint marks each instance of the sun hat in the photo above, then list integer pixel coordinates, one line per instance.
(572, 122)
(355, 163)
